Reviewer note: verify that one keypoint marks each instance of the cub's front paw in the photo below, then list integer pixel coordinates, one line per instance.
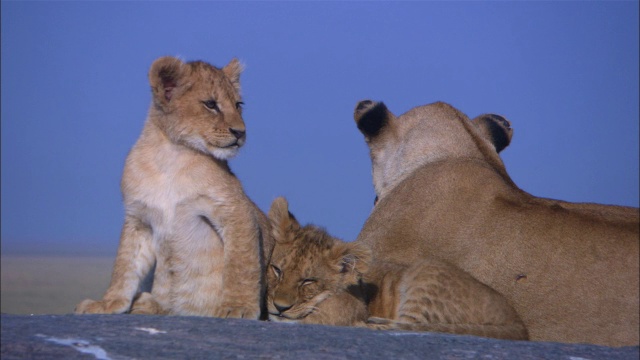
(115, 306)
(378, 323)
(238, 311)
(146, 304)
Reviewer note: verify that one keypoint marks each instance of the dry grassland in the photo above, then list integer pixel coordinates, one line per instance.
(51, 285)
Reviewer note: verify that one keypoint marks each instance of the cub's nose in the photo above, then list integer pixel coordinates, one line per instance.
(239, 134)
(281, 308)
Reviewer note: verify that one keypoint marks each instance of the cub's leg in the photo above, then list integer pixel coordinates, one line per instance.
(134, 260)
(378, 323)
(242, 288)
(344, 308)
(447, 299)
(435, 296)
(145, 304)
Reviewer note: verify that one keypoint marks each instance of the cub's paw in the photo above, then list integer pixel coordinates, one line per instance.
(115, 306)
(378, 323)
(238, 311)
(145, 304)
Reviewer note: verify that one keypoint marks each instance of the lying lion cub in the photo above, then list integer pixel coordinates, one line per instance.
(315, 278)
(571, 271)
(188, 220)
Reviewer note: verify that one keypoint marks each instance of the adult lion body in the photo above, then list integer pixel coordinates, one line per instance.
(570, 270)
(188, 220)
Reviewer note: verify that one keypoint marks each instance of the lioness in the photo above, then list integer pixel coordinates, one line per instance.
(318, 279)
(188, 220)
(570, 270)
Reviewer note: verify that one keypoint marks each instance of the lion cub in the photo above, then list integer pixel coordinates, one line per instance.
(188, 225)
(315, 278)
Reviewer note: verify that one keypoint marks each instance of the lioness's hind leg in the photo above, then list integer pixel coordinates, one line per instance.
(145, 304)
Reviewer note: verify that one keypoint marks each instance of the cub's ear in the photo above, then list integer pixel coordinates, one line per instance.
(352, 260)
(496, 129)
(166, 78)
(232, 71)
(282, 221)
(371, 117)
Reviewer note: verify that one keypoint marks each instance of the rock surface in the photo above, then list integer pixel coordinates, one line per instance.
(173, 337)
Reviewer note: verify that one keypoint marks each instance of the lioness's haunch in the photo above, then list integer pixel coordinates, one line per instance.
(570, 270)
(315, 278)
(188, 220)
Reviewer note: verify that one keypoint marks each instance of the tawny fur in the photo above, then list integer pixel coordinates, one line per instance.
(188, 220)
(317, 279)
(570, 270)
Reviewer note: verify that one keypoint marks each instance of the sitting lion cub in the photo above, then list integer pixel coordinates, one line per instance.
(315, 278)
(188, 220)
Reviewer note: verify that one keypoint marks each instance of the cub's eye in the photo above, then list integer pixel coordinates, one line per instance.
(239, 105)
(211, 104)
(306, 282)
(276, 271)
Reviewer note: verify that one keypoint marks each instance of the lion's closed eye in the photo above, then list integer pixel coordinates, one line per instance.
(306, 282)
(276, 271)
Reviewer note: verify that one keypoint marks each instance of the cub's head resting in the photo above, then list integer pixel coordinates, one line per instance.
(198, 105)
(426, 134)
(309, 270)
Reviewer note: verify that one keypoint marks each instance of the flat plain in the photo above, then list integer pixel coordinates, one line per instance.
(51, 284)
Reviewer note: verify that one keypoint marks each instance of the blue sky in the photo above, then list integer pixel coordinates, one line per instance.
(75, 96)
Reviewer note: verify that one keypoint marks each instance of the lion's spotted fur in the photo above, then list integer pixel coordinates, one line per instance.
(570, 270)
(187, 217)
(315, 278)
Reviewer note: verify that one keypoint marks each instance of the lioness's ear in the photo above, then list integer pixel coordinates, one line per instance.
(496, 129)
(232, 71)
(166, 76)
(282, 221)
(371, 117)
(352, 260)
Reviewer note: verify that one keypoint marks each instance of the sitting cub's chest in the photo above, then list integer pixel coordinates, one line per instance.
(171, 189)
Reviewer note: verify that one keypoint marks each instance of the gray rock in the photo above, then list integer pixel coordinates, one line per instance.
(176, 337)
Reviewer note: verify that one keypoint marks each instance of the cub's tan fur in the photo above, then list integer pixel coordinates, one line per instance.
(569, 270)
(188, 220)
(315, 278)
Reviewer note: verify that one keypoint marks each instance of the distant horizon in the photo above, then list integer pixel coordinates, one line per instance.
(75, 249)
(51, 284)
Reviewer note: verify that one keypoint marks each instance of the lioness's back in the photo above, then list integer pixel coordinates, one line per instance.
(570, 270)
